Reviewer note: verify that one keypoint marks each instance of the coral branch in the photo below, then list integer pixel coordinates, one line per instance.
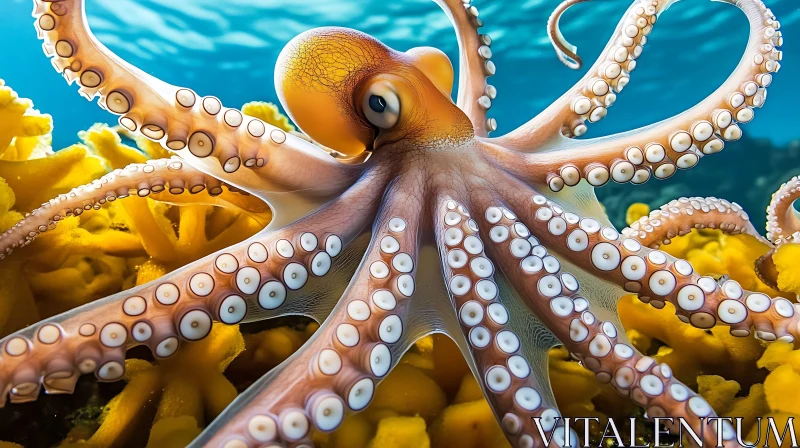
(257, 274)
(154, 176)
(680, 216)
(475, 95)
(512, 388)
(201, 130)
(676, 143)
(352, 351)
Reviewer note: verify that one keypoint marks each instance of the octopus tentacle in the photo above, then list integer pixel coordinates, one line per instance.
(676, 143)
(513, 391)
(254, 277)
(249, 153)
(353, 350)
(680, 216)
(475, 94)
(554, 296)
(143, 179)
(766, 270)
(590, 98)
(654, 275)
(783, 223)
(566, 52)
(783, 226)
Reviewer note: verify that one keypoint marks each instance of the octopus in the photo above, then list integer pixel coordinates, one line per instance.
(396, 215)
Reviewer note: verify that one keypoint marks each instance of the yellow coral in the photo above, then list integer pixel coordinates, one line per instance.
(713, 253)
(155, 223)
(187, 388)
(75, 263)
(449, 366)
(573, 386)
(24, 128)
(717, 391)
(401, 432)
(469, 421)
(421, 354)
(100, 252)
(470, 424)
(173, 432)
(7, 199)
(269, 348)
(748, 408)
(430, 399)
(785, 259)
(355, 432)
(688, 350)
(127, 407)
(691, 351)
(636, 211)
(470, 390)
(408, 391)
(204, 224)
(107, 143)
(778, 398)
(35, 181)
(268, 112)
(766, 436)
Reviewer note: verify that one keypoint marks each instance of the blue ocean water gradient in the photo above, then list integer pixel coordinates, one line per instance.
(228, 48)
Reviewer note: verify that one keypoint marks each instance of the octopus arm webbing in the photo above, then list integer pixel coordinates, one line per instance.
(357, 345)
(249, 153)
(680, 216)
(678, 142)
(652, 274)
(257, 276)
(783, 222)
(475, 94)
(142, 179)
(554, 296)
(511, 387)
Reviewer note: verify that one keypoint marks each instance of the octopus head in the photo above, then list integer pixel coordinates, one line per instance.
(352, 93)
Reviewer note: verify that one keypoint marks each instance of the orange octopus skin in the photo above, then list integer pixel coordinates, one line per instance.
(434, 226)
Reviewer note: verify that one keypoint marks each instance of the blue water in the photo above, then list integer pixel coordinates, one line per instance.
(228, 48)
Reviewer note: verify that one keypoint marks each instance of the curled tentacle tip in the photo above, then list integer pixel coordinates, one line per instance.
(571, 60)
(766, 270)
(566, 52)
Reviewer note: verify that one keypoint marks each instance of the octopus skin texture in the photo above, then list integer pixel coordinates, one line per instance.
(398, 192)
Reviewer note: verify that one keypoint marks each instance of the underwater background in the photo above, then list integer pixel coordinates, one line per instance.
(228, 48)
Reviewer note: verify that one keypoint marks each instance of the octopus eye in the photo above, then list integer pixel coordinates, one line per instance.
(381, 105)
(377, 103)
